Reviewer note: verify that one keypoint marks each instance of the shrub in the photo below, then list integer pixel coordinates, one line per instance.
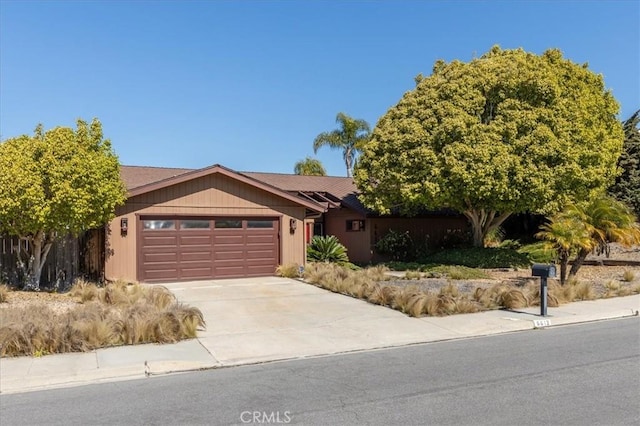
(398, 245)
(327, 249)
(480, 258)
(84, 290)
(494, 237)
(583, 291)
(290, 270)
(405, 266)
(457, 272)
(4, 293)
(628, 276)
(510, 244)
(377, 273)
(412, 275)
(539, 252)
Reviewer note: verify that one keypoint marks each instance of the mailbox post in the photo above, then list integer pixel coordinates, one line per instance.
(544, 272)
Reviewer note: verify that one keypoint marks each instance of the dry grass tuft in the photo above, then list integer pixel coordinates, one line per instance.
(118, 314)
(84, 290)
(377, 273)
(628, 276)
(466, 306)
(403, 296)
(382, 295)
(412, 275)
(416, 304)
(4, 293)
(583, 291)
(451, 290)
(290, 270)
(431, 304)
(514, 299)
(446, 305)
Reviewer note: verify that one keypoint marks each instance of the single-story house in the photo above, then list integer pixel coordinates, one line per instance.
(183, 224)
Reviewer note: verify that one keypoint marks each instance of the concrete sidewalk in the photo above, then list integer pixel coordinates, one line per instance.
(253, 321)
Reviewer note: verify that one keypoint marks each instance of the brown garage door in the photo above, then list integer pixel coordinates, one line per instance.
(183, 249)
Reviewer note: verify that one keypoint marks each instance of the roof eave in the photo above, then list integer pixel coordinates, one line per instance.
(218, 169)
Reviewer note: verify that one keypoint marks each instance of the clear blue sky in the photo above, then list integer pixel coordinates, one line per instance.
(249, 84)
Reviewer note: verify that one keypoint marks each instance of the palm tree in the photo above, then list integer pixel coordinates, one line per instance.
(582, 228)
(565, 235)
(309, 167)
(607, 221)
(349, 137)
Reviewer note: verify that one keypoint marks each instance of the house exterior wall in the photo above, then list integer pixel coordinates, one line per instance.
(432, 230)
(211, 195)
(357, 242)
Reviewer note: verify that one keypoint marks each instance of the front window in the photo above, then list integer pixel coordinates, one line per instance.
(158, 224)
(355, 225)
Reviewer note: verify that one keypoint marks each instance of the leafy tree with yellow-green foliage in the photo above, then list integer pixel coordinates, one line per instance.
(55, 183)
(505, 133)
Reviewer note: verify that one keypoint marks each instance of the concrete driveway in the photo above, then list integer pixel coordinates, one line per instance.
(266, 319)
(261, 319)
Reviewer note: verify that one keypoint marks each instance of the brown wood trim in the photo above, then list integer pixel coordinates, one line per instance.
(218, 169)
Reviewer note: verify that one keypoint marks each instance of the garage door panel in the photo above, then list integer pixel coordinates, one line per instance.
(234, 256)
(229, 271)
(160, 275)
(260, 238)
(159, 240)
(259, 254)
(195, 256)
(226, 240)
(195, 273)
(195, 240)
(187, 253)
(159, 257)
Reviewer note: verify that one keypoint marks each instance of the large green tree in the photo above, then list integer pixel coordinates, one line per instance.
(350, 136)
(309, 167)
(54, 183)
(508, 132)
(627, 185)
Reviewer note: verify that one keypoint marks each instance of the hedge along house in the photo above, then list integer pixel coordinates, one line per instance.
(182, 224)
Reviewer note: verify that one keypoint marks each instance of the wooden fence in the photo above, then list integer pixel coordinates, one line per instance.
(69, 258)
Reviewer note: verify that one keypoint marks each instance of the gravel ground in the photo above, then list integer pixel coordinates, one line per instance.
(58, 302)
(598, 276)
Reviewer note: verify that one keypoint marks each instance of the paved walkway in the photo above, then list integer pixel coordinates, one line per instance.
(269, 319)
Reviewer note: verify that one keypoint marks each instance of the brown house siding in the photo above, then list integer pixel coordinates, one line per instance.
(432, 229)
(357, 242)
(203, 196)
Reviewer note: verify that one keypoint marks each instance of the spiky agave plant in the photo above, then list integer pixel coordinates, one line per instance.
(327, 249)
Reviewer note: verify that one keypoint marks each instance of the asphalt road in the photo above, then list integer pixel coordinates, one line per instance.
(575, 375)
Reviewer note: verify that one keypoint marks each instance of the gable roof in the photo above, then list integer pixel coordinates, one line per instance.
(321, 191)
(136, 176)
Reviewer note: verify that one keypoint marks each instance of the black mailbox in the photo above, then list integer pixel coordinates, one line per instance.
(541, 270)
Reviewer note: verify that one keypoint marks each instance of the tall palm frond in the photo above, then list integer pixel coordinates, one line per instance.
(350, 137)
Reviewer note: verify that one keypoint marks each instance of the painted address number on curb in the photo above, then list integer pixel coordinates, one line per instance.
(541, 323)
